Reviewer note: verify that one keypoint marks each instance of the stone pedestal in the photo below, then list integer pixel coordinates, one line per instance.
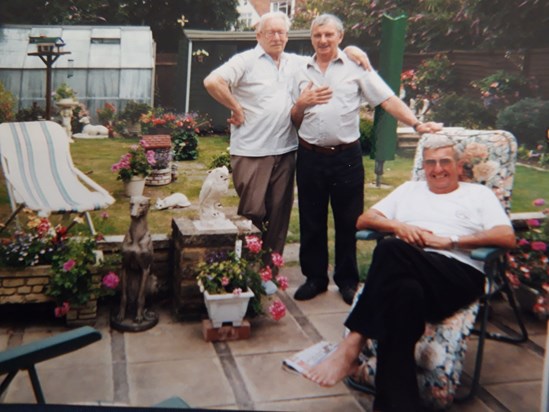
(191, 247)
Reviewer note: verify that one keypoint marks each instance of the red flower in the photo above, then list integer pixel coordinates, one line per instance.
(282, 282)
(266, 274)
(68, 265)
(539, 246)
(111, 280)
(62, 310)
(277, 259)
(253, 244)
(277, 310)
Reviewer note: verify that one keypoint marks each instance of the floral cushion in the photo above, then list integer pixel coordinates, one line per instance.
(488, 156)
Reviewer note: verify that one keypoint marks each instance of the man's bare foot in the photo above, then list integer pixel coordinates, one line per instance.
(341, 363)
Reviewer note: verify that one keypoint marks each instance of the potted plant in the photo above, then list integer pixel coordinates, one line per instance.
(64, 95)
(131, 115)
(133, 167)
(528, 269)
(48, 264)
(200, 55)
(225, 278)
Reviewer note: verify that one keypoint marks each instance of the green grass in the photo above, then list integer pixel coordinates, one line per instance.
(95, 157)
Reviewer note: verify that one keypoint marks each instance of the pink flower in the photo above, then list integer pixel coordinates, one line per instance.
(237, 291)
(254, 243)
(277, 259)
(225, 280)
(68, 265)
(62, 310)
(523, 242)
(539, 202)
(277, 310)
(266, 274)
(104, 215)
(533, 222)
(539, 246)
(282, 282)
(111, 280)
(150, 157)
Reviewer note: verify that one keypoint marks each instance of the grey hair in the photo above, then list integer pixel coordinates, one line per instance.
(437, 141)
(273, 15)
(327, 19)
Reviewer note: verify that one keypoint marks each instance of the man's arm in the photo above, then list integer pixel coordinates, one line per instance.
(400, 111)
(375, 220)
(358, 56)
(220, 91)
(498, 236)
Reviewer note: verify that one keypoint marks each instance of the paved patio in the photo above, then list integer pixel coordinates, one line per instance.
(172, 359)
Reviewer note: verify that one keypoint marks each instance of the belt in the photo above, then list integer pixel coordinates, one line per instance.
(327, 149)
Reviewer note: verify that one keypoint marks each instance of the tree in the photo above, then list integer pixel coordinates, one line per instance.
(442, 24)
(162, 16)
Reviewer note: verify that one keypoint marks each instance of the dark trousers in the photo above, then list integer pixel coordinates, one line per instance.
(322, 180)
(265, 186)
(405, 288)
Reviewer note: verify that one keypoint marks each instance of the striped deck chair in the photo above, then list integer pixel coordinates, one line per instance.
(40, 174)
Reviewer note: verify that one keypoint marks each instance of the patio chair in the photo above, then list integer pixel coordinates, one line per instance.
(489, 158)
(40, 174)
(25, 357)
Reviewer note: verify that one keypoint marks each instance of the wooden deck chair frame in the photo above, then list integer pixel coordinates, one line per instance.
(494, 259)
(40, 173)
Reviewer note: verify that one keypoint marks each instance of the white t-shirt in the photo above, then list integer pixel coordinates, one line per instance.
(264, 92)
(467, 210)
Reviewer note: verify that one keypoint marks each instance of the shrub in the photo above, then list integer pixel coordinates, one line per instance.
(502, 89)
(430, 79)
(32, 113)
(366, 135)
(526, 119)
(456, 110)
(7, 105)
(223, 159)
(133, 110)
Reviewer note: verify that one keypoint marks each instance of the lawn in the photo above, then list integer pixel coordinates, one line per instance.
(95, 158)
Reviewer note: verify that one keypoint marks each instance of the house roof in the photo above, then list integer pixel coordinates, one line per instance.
(210, 35)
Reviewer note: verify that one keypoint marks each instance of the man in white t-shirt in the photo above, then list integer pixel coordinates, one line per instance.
(422, 274)
(256, 86)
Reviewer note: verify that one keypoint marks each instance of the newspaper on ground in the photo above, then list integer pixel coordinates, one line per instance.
(309, 357)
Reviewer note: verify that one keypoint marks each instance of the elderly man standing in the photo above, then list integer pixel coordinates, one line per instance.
(329, 159)
(423, 274)
(256, 86)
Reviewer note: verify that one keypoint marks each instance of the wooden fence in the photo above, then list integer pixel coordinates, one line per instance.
(468, 66)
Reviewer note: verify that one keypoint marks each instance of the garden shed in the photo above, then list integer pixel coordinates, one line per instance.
(193, 65)
(112, 64)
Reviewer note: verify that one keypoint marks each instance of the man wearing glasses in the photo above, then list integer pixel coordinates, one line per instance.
(256, 86)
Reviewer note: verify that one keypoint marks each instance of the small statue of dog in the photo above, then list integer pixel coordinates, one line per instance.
(214, 187)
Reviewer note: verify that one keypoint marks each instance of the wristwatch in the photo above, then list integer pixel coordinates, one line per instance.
(415, 125)
(455, 241)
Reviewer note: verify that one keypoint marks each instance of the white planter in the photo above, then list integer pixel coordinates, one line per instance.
(135, 186)
(227, 307)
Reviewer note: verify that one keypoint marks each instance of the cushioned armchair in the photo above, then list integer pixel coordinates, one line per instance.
(489, 159)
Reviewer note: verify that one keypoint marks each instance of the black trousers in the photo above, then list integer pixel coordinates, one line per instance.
(329, 179)
(406, 287)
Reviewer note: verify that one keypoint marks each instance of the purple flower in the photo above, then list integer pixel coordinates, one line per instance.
(68, 265)
(111, 280)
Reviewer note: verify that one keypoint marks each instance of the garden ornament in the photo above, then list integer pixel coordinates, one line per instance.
(173, 200)
(135, 279)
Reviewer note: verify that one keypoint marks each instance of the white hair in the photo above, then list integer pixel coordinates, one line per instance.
(327, 18)
(438, 141)
(273, 15)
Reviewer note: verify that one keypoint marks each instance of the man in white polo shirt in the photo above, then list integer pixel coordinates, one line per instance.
(256, 86)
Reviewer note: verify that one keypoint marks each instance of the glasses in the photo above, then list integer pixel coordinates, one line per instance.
(445, 162)
(270, 34)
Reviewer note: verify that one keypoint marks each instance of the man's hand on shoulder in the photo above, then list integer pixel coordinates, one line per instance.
(358, 56)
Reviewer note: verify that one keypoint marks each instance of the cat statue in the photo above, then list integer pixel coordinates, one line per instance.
(173, 200)
(215, 186)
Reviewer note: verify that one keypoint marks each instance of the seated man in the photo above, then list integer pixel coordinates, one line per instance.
(423, 274)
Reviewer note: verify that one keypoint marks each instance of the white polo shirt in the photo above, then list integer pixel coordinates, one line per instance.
(338, 121)
(264, 92)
